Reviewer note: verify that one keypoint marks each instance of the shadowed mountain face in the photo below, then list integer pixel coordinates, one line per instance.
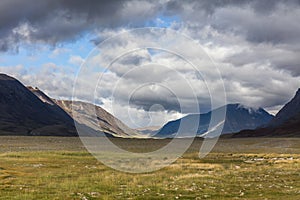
(289, 111)
(238, 117)
(285, 124)
(23, 113)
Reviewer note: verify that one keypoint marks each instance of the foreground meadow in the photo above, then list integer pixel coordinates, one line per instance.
(61, 168)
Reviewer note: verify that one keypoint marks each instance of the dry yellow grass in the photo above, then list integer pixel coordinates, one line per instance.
(72, 173)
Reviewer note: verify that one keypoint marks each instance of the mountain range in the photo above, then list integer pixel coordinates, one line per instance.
(238, 117)
(29, 111)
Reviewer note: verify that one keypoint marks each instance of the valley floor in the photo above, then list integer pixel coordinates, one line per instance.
(61, 168)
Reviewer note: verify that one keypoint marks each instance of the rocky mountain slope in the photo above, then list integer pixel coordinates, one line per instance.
(89, 117)
(97, 118)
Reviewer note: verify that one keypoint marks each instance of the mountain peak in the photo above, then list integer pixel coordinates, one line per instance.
(250, 109)
(239, 105)
(290, 110)
(298, 92)
(5, 77)
(25, 114)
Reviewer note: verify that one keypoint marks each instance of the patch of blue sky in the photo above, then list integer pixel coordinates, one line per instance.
(162, 21)
(36, 55)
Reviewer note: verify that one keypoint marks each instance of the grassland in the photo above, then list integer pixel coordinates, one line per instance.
(61, 168)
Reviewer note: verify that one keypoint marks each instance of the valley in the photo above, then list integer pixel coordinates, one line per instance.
(60, 168)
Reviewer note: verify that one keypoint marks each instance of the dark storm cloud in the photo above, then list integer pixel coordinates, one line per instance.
(52, 21)
(148, 100)
(257, 20)
(210, 6)
(277, 27)
(281, 59)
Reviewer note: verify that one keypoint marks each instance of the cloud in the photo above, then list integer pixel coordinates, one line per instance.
(76, 60)
(256, 22)
(253, 75)
(278, 26)
(58, 51)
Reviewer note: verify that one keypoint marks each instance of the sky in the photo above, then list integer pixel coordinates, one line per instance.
(255, 45)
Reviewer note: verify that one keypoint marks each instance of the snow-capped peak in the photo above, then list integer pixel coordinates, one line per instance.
(251, 110)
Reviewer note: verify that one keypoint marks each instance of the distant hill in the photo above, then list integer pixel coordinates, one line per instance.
(285, 124)
(149, 130)
(238, 117)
